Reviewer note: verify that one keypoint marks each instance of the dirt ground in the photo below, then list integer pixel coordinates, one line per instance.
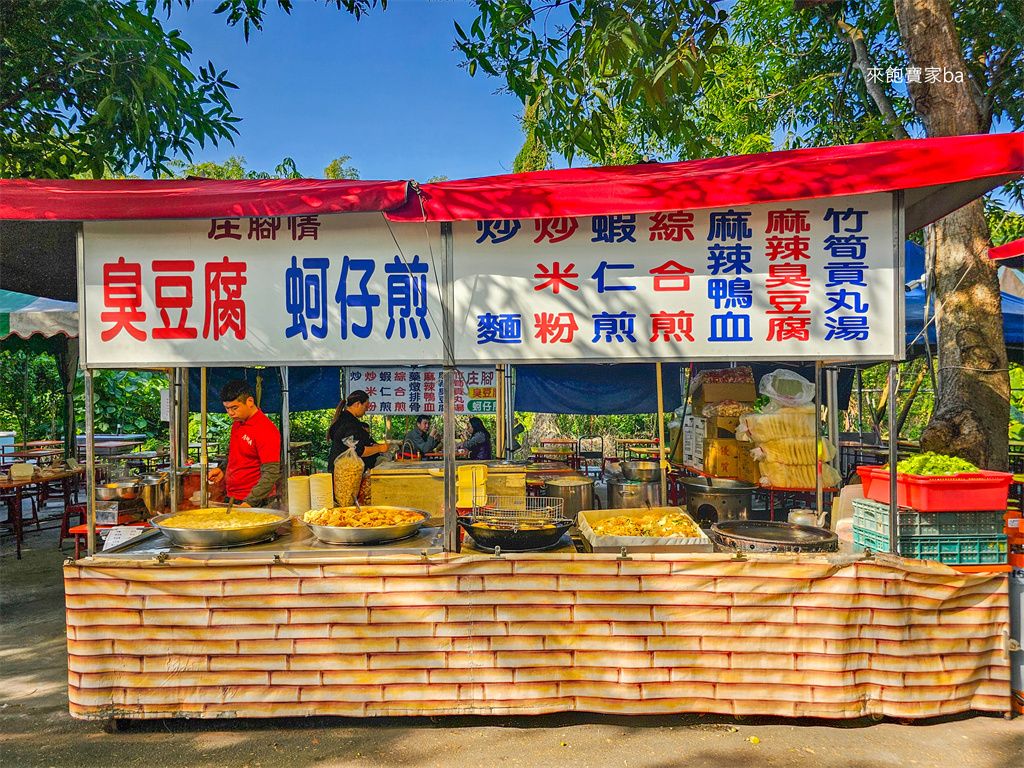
(36, 729)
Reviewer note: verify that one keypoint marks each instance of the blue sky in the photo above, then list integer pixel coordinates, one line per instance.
(386, 90)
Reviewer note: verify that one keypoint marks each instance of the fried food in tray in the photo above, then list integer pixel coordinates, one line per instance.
(657, 523)
(219, 519)
(368, 517)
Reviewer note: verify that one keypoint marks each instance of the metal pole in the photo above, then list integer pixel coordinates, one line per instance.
(90, 463)
(819, 494)
(510, 411)
(172, 376)
(204, 456)
(451, 526)
(184, 376)
(860, 405)
(662, 462)
(894, 514)
(832, 383)
(499, 414)
(286, 437)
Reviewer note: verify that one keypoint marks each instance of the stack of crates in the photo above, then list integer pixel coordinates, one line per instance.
(954, 538)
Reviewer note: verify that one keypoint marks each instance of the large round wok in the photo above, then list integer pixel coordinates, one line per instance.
(521, 537)
(211, 538)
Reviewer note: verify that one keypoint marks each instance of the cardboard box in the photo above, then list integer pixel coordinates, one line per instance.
(725, 457)
(710, 392)
(722, 426)
(694, 429)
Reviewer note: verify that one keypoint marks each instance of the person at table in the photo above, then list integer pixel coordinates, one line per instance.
(254, 451)
(346, 424)
(478, 440)
(422, 437)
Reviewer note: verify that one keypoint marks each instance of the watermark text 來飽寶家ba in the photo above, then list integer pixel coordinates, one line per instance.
(914, 75)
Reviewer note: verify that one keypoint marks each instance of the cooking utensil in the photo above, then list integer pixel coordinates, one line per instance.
(154, 492)
(330, 534)
(576, 493)
(517, 523)
(119, 489)
(624, 494)
(713, 499)
(515, 539)
(763, 536)
(211, 538)
(640, 471)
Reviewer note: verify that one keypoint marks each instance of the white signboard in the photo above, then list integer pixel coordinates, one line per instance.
(789, 281)
(286, 290)
(802, 280)
(406, 391)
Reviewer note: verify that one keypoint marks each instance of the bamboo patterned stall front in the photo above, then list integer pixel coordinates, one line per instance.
(522, 634)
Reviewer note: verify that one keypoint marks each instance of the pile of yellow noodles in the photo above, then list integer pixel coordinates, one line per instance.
(655, 523)
(369, 517)
(220, 518)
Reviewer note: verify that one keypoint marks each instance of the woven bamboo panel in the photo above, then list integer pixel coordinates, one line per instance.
(769, 635)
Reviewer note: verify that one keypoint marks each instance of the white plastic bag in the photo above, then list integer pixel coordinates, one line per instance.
(786, 422)
(797, 475)
(785, 389)
(793, 450)
(348, 474)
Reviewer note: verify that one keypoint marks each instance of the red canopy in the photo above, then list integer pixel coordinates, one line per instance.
(93, 200)
(1007, 250)
(939, 175)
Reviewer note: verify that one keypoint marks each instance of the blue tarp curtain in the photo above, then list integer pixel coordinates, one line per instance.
(595, 389)
(1013, 307)
(310, 388)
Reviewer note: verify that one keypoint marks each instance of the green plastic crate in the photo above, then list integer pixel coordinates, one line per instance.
(951, 550)
(873, 517)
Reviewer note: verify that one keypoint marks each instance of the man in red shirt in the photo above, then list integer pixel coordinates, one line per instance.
(254, 454)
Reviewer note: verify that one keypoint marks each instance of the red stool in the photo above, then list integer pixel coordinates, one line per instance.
(65, 523)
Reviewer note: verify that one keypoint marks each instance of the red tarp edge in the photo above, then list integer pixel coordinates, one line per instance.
(95, 200)
(1007, 250)
(799, 174)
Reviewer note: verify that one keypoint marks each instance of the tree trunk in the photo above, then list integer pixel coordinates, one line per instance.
(972, 408)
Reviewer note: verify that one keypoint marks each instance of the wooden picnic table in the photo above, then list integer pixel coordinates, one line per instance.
(40, 453)
(39, 478)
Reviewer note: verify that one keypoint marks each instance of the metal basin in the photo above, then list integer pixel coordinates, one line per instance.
(211, 538)
(331, 534)
(123, 489)
(642, 471)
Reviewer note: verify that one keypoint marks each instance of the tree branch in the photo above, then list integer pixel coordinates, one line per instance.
(862, 62)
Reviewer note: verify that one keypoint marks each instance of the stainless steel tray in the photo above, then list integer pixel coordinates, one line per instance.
(330, 534)
(210, 538)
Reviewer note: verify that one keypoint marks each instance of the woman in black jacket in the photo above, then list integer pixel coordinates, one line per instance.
(347, 424)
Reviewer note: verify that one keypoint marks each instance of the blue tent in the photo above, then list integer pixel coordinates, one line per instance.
(1013, 307)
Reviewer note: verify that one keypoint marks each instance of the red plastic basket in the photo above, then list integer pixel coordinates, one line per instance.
(965, 492)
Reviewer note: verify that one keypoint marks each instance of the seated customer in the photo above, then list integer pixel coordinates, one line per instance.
(421, 438)
(478, 440)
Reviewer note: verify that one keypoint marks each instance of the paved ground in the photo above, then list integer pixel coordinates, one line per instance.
(36, 730)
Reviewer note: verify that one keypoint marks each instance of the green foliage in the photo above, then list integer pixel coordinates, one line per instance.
(100, 87)
(586, 64)
(338, 169)
(1016, 401)
(125, 402)
(234, 168)
(31, 400)
(1005, 226)
(251, 12)
(92, 85)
